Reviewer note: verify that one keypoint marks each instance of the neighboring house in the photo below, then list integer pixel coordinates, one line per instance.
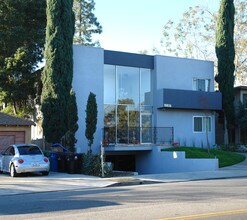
(240, 97)
(144, 101)
(14, 130)
(237, 132)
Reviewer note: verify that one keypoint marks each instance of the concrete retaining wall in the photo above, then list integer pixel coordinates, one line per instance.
(158, 161)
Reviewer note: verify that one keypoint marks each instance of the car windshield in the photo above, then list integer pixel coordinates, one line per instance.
(29, 150)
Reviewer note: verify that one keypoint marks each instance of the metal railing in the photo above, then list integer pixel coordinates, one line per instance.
(138, 135)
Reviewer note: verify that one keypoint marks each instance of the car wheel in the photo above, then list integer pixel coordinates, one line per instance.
(13, 171)
(45, 173)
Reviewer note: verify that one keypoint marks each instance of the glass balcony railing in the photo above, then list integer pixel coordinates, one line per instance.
(137, 135)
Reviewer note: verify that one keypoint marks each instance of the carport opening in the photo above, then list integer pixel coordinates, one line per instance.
(122, 162)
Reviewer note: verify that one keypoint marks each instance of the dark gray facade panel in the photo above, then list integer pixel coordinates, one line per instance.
(186, 99)
(128, 59)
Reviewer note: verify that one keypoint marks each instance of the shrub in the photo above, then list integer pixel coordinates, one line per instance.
(231, 148)
(91, 165)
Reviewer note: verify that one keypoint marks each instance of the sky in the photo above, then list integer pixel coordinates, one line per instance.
(136, 25)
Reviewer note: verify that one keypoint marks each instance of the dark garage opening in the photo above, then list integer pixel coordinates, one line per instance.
(122, 162)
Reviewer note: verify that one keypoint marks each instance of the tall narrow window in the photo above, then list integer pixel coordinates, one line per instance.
(202, 124)
(109, 84)
(197, 124)
(128, 82)
(145, 94)
(201, 85)
(207, 124)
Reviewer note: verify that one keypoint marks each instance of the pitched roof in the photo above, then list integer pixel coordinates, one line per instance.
(9, 120)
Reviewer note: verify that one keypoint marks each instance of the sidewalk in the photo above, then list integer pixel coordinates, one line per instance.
(52, 183)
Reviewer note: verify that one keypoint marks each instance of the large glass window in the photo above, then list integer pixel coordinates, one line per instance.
(127, 95)
(127, 85)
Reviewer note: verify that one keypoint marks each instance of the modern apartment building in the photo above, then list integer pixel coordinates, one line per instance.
(144, 101)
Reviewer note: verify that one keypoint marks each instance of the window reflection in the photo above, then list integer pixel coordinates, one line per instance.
(128, 84)
(145, 87)
(109, 84)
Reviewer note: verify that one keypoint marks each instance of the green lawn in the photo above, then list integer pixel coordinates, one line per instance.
(225, 158)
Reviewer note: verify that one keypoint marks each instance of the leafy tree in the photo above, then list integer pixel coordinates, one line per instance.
(91, 119)
(194, 37)
(86, 22)
(225, 53)
(58, 71)
(22, 36)
(191, 37)
(72, 122)
(240, 41)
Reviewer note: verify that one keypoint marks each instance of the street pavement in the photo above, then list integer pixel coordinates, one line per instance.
(63, 181)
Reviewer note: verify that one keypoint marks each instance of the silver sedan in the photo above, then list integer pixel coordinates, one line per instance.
(24, 158)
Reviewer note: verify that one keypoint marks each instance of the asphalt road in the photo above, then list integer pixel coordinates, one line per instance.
(208, 199)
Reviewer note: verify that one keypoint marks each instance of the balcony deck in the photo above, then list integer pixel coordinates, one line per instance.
(128, 147)
(188, 99)
(134, 147)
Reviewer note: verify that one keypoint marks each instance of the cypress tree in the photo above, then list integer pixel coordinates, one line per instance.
(58, 71)
(225, 53)
(91, 119)
(72, 122)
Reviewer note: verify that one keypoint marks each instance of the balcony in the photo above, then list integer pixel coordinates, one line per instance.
(137, 136)
(188, 99)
